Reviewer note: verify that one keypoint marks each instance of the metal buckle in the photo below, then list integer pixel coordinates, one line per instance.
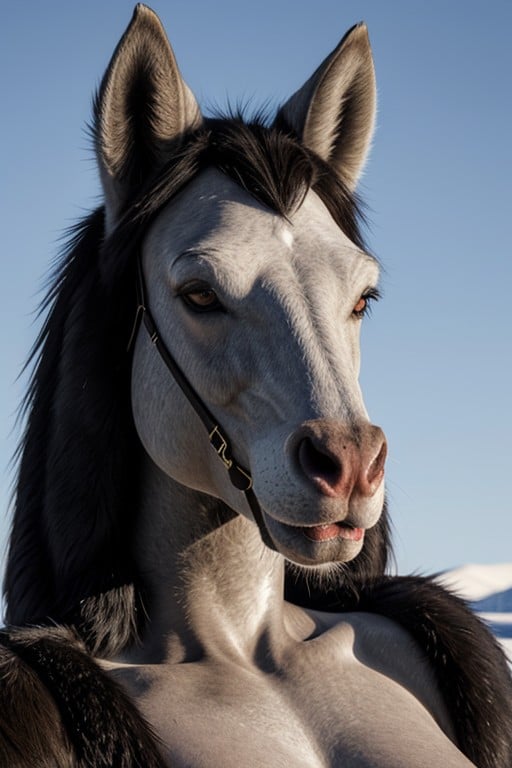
(246, 475)
(221, 446)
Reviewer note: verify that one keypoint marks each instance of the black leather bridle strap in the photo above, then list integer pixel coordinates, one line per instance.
(239, 476)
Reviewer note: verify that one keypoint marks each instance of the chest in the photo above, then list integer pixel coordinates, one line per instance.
(306, 714)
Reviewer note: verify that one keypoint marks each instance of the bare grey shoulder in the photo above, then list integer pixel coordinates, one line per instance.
(385, 647)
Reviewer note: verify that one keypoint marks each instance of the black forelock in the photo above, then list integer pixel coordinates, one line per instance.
(278, 170)
(272, 165)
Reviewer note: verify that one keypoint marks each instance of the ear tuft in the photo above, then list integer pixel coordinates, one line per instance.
(142, 110)
(334, 111)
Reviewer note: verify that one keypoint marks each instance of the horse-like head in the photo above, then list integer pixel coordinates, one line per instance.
(258, 280)
(262, 312)
(260, 301)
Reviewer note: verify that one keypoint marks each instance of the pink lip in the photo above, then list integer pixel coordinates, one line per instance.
(333, 531)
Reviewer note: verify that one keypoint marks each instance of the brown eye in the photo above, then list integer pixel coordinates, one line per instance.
(201, 300)
(363, 305)
(360, 306)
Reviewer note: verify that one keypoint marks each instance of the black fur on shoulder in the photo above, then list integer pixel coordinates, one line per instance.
(472, 671)
(31, 729)
(60, 710)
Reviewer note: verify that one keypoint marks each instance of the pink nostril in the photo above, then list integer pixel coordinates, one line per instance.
(317, 465)
(338, 461)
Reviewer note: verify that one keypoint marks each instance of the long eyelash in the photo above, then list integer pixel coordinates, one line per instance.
(370, 295)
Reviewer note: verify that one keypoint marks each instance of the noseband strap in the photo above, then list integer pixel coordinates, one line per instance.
(239, 476)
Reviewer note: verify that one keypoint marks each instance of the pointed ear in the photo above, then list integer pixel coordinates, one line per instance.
(142, 110)
(334, 111)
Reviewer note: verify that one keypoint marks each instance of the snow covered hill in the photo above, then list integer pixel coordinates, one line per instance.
(489, 590)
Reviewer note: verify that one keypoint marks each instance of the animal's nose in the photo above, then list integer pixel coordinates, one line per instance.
(340, 461)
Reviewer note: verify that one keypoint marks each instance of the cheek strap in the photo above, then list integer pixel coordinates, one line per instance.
(240, 476)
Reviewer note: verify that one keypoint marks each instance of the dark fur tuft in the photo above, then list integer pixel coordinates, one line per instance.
(74, 715)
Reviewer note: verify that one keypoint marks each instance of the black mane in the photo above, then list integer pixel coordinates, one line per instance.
(70, 555)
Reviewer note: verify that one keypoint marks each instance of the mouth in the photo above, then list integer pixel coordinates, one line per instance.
(330, 531)
(313, 545)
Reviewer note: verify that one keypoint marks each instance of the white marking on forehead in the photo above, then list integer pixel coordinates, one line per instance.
(284, 234)
(287, 237)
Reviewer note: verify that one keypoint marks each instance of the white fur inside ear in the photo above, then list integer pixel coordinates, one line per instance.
(334, 111)
(143, 106)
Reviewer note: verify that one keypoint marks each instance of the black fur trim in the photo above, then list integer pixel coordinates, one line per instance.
(46, 673)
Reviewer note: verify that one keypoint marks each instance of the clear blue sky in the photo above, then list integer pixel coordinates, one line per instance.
(437, 352)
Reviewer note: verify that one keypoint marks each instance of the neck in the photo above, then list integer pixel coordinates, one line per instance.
(211, 586)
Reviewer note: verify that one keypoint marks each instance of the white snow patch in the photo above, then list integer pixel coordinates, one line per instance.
(474, 582)
(478, 583)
